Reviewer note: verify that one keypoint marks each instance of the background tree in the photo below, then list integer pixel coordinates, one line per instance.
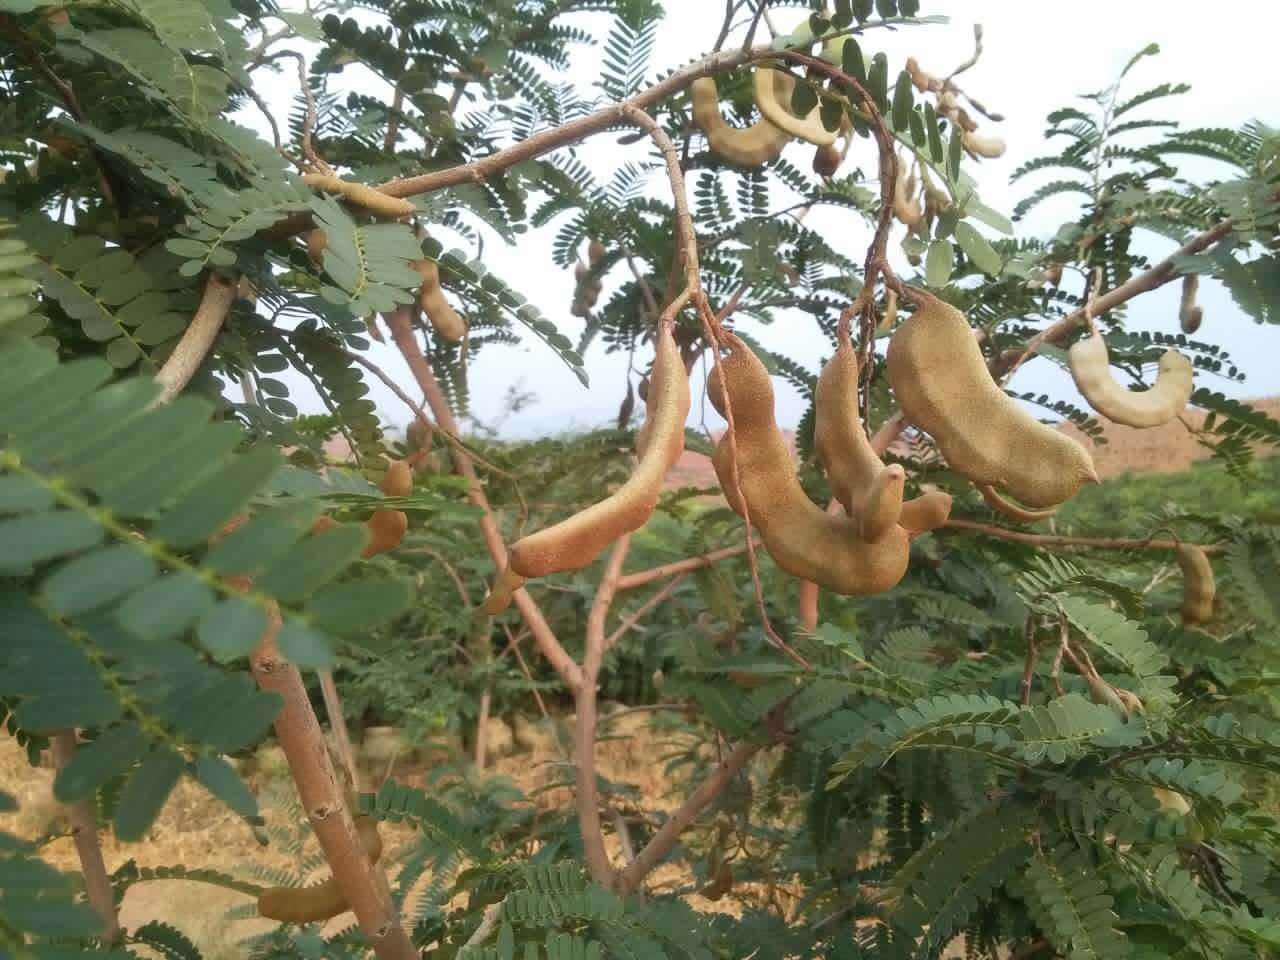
(1022, 742)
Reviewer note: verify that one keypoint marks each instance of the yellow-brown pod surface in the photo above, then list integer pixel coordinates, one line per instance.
(773, 91)
(386, 529)
(751, 146)
(803, 539)
(323, 901)
(870, 492)
(573, 543)
(445, 320)
(1168, 396)
(943, 387)
(1198, 586)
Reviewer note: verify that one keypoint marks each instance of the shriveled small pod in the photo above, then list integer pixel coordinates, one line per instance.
(445, 320)
(979, 146)
(324, 900)
(317, 241)
(827, 160)
(418, 435)
(386, 529)
(1190, 314)
(890, 315)
(870, 492)
(595, 251)
(751, 146)
(906, 205)
(944, 387)
(573, 543)
(398, 480)
(1167, 397)
(1198, 587)
(773, 91)
(803, 539)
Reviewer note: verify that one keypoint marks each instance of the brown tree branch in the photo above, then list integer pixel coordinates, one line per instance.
(84, 831)
(398, 322)
(1096, 543)
(631, 619)
(638, 579)
(338, 724)
(363, 885)
(584, 735)
(198, 339)
(662, 842)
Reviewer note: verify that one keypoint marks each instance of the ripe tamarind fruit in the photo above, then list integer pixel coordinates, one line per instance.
(773, 90)
(398, 480)
(929, 511)
(1015, 511)
(943, 387)
(573, 543)
(869, 491)
(803, 539)
(362, 195)
(595, 251)
(587, 291)
(977, 145)
(826, 160)
(906, 206)
(418, 435)
(386, 529)
(324, 900)
(1198, 588)
(1189, 313)
(751, 146)
(1091, 370)
(445, 321)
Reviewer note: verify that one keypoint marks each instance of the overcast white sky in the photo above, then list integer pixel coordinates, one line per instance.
(1038, 56)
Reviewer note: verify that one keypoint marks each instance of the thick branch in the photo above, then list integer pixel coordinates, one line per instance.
(363, 886)
(662, 842)
(84, 831)
(398, 322)
(584, 739)
(1162, 273)
(1095, 543)
(198, 339)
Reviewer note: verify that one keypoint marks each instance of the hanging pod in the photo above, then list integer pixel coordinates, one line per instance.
(773, 91)
(751, 146)
(943, 387)
(1091, 370)
(803, 539)
(573, 543)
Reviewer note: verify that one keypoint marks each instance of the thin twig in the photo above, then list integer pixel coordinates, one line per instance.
(338, 724)
(1050, 540)
(631, 619)
(638, 579)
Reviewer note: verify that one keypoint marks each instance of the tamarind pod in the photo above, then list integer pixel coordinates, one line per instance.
(375, 201)
(890, 316)
(922, 81)
(574, 542)
(1091, 370)
(317, 241)
(418, 435)
(803, 539)
(926, 512)
(324, 900)
(595, 251)
(751, 146)
(580, 270)
(643, 389)
(773, 90)
(386, 530)
(1189, 314)
(870, 492)
(943, 387)
(981, 146)
(398, 480)
(906, 206)
(947, 105)
(1169, 800)
(1198, 588)
(445, 320)
(826, 160)
(503, 589)
(1015, 511)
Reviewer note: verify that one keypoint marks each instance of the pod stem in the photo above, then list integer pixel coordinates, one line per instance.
(84, 831)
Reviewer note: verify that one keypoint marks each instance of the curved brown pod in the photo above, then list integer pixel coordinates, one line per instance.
(773, 90)
(1167, 397)
(1198, 586)
(323, 901)
(803, 539)
(1190, 315)
(943, 387)
(445, 320)
(751, 146)
(573, 543)
(870, 492)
